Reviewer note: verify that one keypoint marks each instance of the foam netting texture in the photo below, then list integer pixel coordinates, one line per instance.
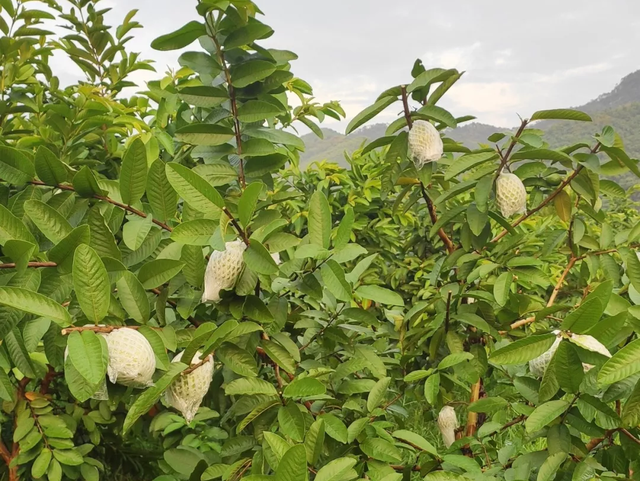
(448, 423)
(223, 270)
(511, 195)
(425, 143)
(131, 358)
(187, 391)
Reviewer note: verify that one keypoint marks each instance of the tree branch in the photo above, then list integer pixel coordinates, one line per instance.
(472, 418)
(12, 265)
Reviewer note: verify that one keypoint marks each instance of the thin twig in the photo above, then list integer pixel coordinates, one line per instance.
(12, 265)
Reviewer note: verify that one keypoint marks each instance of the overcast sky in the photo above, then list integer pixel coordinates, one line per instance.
(518, 56)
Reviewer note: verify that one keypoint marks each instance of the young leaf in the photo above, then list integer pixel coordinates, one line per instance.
(560, 114)
(369, 113)
(319, 221)
(133, 173)
(91, 283)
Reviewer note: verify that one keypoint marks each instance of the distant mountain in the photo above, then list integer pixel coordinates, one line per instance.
(619, 108)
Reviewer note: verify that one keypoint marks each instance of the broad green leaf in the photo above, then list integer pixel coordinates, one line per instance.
(250, 386)
(180, 38)
(314, 441)
(570, 373)
(432, 388)
(334, 279)
(91, 283)
(380, 295)
(624, 363)
(195, 190)
(550, 466)
(41, 464)
(381, 450)
(544, 414)
(257, 110)
(369, 113)
(416, 441)
(49, 167)
(149, 397)
(85, 183)
(378, 393)
(344, 229)
(159, 271)
(293, 465)
(631, 410)
(276, 136)
(259, 260)
(437, 114)
(135, 232)
(20, 252)
(13, 228)
(560, 114)
(340, 469)
(523, 350)
(15, 167)
(264, 164)
(335, 428)
(291, 423)
(252, 31)
(18, 353)
(158, 346)
(203, 134)
(34, 303)
(305, 387)
(467, 162)
(502, 288)
(62, 253)
(89, 354)
(584, 317)
(161, 196)
(237, 359)
(133, 172)
(488, 405)
(633, 269)
(203, 96)
(251, 71)
(280, 356)
(133, 297)
(319, 221)
(454, 359)
(52, 224)
(541, 154)
(248, 201)
(195, 232)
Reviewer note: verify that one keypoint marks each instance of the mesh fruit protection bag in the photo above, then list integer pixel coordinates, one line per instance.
(539, 365)
(425, 143)
(223, 270)
(131, 358)
(511, 195)
(448, 423)
(187, 391)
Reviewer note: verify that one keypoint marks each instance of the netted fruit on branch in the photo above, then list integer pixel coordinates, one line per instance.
(223, 270)
(425, 143)
(511, 195)
(187, 391)
(448, 423)
(539, 365)
(131, 358)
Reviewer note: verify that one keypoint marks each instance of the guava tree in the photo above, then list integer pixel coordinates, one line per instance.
(180, 302)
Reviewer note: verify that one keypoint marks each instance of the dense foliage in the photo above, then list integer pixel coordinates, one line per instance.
(180, 301)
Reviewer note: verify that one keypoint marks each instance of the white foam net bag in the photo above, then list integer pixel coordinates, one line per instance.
(223, 270)
(131, 358)
(425, 143)
(511, 195)
(539, 365)
(187, 391)
(448, 423)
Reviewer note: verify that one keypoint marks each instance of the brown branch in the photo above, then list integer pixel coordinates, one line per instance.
(387, 404)
(405, 106)
(434, 218)
(629, 435)
(193, 367)
(472, 418)
(12, 265)
(241, 232)
(48, 379)
(125, 207)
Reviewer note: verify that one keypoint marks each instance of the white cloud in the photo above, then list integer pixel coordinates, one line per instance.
(492, 102)
(459, 57)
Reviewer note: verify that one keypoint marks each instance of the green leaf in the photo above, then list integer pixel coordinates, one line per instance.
(523, 350)
(195, 232)
(305, 387)
(467, 162)
(157, 344)
(258, 110)
(34, 303)
(502, 288)
(51, 223)
(319, 221)
(91, 283)
(334, 279)
(179, 38)
(344, 229)
(314, 441)
(275, 136)
(584, 317)
(15, 167)
(161, 196)
(237, 359)
(264, 164)
(560, 114)
(488, 405)
(432, 388)
(550, 466)
(633, 269)
(570, 374)
(340, 469)
(133, 297)
(254, 30)
(20, 252)
(250, 386)
(254, 308)
(41, 464)
(544, 414)
(68, 457)
(49, 168)
(369, 113)
(203, 96)
(438, 114)
(248, 201)
(203, 134)
(251, 71)
(541, 154)
(62, 253)
(454, 359)
(293, 465)
(89, 354)
(259, 260)
(13, 228)
(381, 450)
(148, 398)
(195, 190)
(416, 441)
(7, 389)
(159, 271)
(380, 295)
(18, 353)
(280, 356)
(377, 394)
(631, 410)
(624, 363)
(133, 172)
(291, 423)
(85, 183)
